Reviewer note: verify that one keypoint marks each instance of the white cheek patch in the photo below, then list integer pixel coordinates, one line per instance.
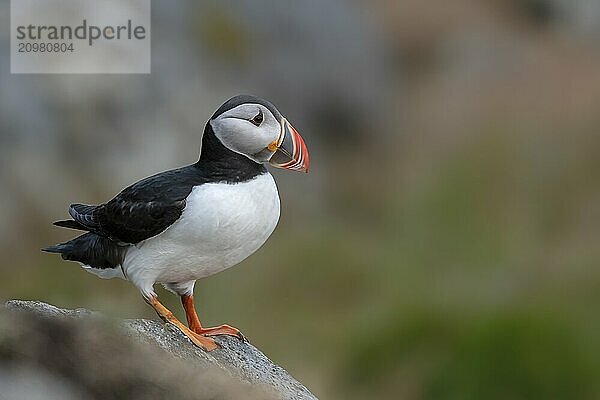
(243, 137)
(237, 135)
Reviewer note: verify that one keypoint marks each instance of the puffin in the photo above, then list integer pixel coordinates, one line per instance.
(185, 224)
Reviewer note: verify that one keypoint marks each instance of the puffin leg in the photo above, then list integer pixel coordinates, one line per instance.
(163, 312)
(195, 325)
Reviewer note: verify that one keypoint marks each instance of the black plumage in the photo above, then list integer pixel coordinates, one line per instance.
(91, 249)
(150, 206)
(243, 99)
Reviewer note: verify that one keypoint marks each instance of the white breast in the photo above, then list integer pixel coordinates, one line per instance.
(221, 225)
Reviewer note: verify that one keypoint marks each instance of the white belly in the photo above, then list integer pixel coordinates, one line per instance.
(221, 225)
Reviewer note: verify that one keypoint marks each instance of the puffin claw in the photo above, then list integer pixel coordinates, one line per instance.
(221, 330)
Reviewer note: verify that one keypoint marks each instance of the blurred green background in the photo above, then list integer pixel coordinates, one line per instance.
(445, 244)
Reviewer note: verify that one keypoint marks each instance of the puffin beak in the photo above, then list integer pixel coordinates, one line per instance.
(289, 149)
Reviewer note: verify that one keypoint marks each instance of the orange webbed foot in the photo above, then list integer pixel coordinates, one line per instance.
(203, 341)
(220, 330)
(196, 326)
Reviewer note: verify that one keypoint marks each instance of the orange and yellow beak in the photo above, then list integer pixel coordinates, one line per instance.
(289, 150)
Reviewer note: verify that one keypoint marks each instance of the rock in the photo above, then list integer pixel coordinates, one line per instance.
(85, 355)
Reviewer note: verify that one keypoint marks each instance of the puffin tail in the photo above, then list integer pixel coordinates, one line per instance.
(61, 248)
(90, 249)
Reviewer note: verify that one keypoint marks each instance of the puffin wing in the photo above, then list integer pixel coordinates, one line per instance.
(140, 211)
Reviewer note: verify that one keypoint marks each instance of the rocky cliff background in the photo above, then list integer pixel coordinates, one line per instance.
(444, 244)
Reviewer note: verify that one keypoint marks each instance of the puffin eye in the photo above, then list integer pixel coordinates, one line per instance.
(258, 118)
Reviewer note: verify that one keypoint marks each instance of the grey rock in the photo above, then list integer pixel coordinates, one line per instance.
(235, 370)
(46, 310)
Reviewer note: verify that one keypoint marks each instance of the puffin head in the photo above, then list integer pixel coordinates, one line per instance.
(254, 128)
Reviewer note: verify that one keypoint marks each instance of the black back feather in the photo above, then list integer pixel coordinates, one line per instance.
(69, 223)
(150, 206)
